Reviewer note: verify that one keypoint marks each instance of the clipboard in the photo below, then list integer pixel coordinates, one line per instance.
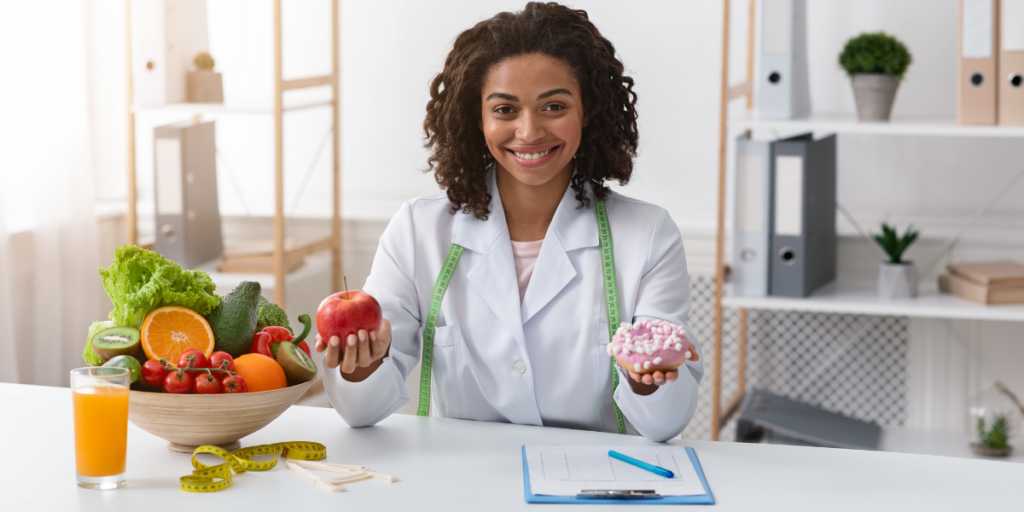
(697, 499)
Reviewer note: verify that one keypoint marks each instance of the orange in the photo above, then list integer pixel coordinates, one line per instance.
(260, 372)
(169, 331)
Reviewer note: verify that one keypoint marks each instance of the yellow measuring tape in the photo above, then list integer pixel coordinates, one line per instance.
(217, 478)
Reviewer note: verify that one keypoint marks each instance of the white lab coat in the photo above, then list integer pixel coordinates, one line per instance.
(541, 362)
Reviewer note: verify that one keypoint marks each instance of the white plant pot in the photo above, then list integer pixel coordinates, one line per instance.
(874, 95)
(897, 280)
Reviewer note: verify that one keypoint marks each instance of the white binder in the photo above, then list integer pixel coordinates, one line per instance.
(750, 262)
(782, 88)
(166, 36)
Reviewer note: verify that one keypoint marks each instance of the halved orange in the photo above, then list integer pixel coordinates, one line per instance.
(169, 331)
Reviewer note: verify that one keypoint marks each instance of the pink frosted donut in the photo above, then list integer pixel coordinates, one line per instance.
(650, 346)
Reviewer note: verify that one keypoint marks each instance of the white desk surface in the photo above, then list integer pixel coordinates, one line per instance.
(454, 465)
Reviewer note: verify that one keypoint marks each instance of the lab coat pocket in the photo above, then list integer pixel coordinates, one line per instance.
(446, 368)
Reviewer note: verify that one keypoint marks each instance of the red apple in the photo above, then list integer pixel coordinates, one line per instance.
(346, 313)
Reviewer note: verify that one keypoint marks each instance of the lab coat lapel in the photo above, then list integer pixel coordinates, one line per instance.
(494, 276)
(570, 229)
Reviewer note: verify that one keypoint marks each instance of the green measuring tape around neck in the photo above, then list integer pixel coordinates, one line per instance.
(611, 296)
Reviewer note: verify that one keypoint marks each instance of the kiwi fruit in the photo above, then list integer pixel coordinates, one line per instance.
(116, 341)
(297, 365)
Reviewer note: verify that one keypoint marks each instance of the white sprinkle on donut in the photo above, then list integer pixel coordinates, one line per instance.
(647, 364)
(657, 360)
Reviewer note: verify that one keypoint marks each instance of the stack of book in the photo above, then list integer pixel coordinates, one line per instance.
(993, 282)
(257, 257)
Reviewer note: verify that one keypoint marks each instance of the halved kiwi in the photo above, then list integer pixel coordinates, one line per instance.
(297, 365)
(116, 341)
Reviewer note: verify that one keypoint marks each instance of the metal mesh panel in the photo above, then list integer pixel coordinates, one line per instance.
(851, 364)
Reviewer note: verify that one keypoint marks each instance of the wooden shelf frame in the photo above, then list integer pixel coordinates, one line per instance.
(744, 89)
(332, 242)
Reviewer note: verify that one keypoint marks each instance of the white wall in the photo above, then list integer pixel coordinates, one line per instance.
(391, 50)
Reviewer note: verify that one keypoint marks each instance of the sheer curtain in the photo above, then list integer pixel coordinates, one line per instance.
(50, 291)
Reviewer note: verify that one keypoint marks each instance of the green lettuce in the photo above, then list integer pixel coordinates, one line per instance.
(90, 357)
(140, 281)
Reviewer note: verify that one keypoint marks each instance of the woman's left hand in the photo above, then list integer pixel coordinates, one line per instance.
(655, 379)
(647, 383)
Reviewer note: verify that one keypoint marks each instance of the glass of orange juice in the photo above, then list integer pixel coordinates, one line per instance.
(100, 396)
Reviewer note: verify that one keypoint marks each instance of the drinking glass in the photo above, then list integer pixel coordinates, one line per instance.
(100, 396)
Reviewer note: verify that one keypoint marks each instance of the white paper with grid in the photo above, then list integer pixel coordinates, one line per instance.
(557, 470)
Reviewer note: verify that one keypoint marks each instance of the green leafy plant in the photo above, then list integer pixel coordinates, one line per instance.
(876, 52)
(895, 245)
(203, 61)
(997, 435)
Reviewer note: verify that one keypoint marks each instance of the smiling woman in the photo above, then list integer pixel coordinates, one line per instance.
(508, 282)
(542, 73)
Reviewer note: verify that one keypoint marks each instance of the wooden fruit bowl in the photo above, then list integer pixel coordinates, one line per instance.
(188, 421)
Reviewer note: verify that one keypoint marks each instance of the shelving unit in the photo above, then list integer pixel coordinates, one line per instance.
(861, 298)
(838, 297)
(275, 106)
(848, 123)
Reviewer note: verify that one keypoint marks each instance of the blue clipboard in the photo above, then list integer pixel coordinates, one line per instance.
(697, 499)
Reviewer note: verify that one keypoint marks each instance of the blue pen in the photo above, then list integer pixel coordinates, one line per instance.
(641, 464)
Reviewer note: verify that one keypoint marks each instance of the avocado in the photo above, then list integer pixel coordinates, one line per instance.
(116, 341)
(298, 367)
(234, 320)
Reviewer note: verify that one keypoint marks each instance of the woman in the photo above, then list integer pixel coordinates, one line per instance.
(529, 118)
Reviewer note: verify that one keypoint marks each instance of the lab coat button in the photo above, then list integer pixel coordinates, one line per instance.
(519, 367)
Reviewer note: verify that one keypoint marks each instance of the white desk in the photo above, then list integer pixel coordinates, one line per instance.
(455, 465)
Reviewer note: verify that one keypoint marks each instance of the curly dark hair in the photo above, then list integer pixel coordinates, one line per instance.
(459, 156)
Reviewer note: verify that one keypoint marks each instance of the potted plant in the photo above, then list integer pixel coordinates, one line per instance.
(896, 278)
(204, 85)
(875, 63)
(993, 438)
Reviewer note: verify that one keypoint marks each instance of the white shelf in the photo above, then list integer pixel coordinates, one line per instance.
(936, 442)
(860, 299)
(848, 123)
(317, 266)
(236, 107)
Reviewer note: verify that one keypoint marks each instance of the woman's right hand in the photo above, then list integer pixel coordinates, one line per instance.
(361, 354)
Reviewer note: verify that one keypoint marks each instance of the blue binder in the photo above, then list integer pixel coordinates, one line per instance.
(697, 499)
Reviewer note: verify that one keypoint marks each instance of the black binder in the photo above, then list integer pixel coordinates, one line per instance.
(803, 211)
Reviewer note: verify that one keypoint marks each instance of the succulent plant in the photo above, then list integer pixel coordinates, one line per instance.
(203, 61)
(895, 245)
(996, 435)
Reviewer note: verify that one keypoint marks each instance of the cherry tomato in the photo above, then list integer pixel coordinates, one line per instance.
(177, 382)
(153, 373)
(233, 384)
(206, 385)
(218, 357)
(194, 358)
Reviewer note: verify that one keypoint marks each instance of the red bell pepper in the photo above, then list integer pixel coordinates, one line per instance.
(266, 341)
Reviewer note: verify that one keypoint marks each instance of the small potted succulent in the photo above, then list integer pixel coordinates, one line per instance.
(897, 278)
(875, 63)
(204, 84)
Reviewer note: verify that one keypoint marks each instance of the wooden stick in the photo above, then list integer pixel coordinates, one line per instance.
(279, 270)
(336, 261)
(313, 479)
(131, 224)
(716, 372)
